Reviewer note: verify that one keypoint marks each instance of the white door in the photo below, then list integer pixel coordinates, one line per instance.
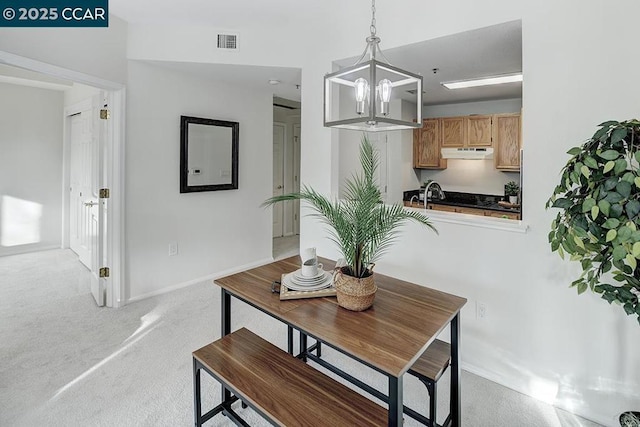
(278, 177)
(87, 136)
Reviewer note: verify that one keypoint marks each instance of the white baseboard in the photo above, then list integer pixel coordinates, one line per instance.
(213, 276)
(28, 249)
(516, 385)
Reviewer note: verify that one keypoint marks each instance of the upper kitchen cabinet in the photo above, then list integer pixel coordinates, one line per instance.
(426, 146)
(466, 131)
(478, 131)
(453, 131)
(507, 141)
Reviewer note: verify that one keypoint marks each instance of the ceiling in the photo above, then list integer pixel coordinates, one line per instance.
(483, 52)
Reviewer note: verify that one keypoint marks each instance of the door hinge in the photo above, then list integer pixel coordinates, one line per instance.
(104, 193)
(105, 114)
(104, 272)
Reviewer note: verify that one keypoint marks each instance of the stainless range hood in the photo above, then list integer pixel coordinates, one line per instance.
(480, 153)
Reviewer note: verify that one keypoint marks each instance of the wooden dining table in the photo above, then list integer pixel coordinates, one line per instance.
(388, 337)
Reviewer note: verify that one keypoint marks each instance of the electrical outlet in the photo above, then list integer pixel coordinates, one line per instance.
(173, 249)
(481, 310)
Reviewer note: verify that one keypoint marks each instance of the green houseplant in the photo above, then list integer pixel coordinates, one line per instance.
(511, 190)
(598, 223)
(361, 225)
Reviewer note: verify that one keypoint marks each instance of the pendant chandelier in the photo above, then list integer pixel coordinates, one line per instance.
(359, 97)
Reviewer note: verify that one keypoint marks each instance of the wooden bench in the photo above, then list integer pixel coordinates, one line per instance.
(428, 369)
(281, 388)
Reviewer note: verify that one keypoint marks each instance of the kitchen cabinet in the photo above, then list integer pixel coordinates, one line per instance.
(474, 211)
(478, 131)
(507, 141)
(453, 131)
(426, 146)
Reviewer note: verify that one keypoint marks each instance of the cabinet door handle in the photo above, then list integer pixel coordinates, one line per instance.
(279, 187)
(90, 204)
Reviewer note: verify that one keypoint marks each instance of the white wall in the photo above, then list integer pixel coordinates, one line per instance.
(99, 52)
(79, 93)
(30, 169)
(215, 231)
(469, 108)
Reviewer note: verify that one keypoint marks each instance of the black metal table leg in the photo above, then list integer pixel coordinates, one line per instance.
(196, 395)
(395, 401)
(225, 322)
(456, 407)
(318, 349)
(290, 339)
(303, 346)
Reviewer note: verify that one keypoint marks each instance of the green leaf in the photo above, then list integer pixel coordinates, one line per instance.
(588, 204)
(637, 179)
(611, 183)
(615, 210)
(624, 234)
(575, 151)
(631, 261)
(618, 135)
(578, 241)
(604, 207)
(590, 162)
(609, 123)
(611, 234)
(611, 223)
(636, 250)
(609, 155)
(606, 266)
(637, 156)
(582, 287)
(561, 252)
(562, 203)
(594, 212)
(624, 189)
(619, 252)
(585, 171)
(628, 308)
(600, 133)
(620, 166)
(632, 208)
(608, 166)
(629, 177)
(555, 245)
(613, 197)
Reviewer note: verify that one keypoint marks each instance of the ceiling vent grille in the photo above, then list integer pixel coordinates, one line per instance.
(228, 41)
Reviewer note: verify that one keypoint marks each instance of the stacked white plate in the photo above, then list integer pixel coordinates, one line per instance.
(298, 282)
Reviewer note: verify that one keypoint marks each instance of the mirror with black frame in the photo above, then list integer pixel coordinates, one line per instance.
(208, 154)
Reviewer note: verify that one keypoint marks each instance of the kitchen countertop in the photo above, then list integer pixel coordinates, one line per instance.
(468, 200)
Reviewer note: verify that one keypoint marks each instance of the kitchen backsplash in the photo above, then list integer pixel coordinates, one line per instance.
(471, 176)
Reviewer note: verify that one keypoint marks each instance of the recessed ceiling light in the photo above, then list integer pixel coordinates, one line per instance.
(485, 81)
(274, 82)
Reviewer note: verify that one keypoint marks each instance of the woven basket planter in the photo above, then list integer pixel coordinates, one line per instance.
(354, 294)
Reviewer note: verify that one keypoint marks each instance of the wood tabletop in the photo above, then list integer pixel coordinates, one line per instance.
(390, 336)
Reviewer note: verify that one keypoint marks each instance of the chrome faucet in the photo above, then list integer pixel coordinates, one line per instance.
(437, 188)
(411, 199)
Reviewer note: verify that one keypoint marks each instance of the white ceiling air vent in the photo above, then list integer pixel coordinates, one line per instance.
(228, 41)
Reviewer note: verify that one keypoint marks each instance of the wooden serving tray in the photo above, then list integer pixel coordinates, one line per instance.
(508, 205)
(286, 293)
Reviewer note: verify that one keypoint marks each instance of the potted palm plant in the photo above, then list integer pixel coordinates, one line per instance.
(362, 227)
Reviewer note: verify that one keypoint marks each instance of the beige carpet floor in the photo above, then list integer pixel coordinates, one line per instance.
(66, 362)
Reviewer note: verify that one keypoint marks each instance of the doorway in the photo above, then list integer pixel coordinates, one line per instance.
(102, 244)
(286, 176)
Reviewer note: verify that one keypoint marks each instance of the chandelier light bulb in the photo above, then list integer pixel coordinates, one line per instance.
(384, 92)
(362, 88)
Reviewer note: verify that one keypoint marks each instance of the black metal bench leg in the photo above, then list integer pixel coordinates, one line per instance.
(318, 349)
(433, 400)
(196, 395)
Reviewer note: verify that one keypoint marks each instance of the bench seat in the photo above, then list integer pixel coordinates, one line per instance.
(280, 387)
